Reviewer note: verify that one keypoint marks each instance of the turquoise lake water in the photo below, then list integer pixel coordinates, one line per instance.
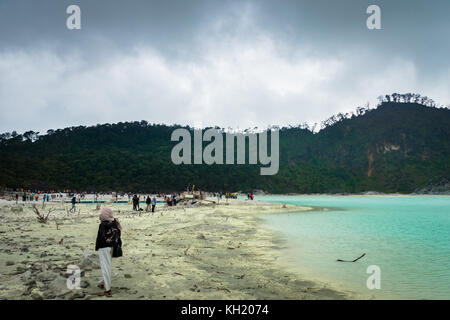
(407, 237)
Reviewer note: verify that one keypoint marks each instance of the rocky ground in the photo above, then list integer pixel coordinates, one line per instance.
(437, 187)
(205, 251)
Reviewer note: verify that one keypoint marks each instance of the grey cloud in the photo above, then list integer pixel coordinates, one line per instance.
(227, 63)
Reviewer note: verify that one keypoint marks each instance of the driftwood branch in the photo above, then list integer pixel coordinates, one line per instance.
(185, 251)
(352, 260)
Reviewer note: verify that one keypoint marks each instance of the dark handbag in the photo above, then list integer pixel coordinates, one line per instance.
(117, 248)
(117, 251)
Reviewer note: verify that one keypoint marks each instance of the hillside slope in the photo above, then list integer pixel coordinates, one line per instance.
(397, 147)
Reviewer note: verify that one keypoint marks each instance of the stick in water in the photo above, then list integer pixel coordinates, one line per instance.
(352, 260)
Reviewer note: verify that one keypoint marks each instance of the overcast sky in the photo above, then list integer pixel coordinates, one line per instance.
(228, 63)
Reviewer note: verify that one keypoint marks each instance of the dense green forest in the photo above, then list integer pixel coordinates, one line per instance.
(400, 146)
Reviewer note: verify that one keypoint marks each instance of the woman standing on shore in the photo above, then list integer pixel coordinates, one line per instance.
(108, 240)
(153, 204)
(148, 202)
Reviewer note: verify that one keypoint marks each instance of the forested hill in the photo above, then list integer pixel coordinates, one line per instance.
(397, 147)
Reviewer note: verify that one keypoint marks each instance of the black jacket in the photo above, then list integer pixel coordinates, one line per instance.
(108, 235)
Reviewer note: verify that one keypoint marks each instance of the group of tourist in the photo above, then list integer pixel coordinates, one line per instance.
(149, 201)
(171, 200)
(35, 197)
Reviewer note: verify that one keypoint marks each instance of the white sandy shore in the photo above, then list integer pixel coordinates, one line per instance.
(205, 251)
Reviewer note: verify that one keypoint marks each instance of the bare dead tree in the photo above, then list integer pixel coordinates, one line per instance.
(41, 217)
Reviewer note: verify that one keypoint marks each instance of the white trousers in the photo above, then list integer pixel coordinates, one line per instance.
(105, 255)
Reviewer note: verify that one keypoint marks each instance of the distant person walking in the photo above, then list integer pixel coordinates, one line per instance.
(107, 244)
(135, 202)
(74, 200)
(153, 204)
(148, 202)
(17, 198)
(174, 199)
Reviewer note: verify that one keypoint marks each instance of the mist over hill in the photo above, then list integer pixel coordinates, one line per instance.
(397, 147)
